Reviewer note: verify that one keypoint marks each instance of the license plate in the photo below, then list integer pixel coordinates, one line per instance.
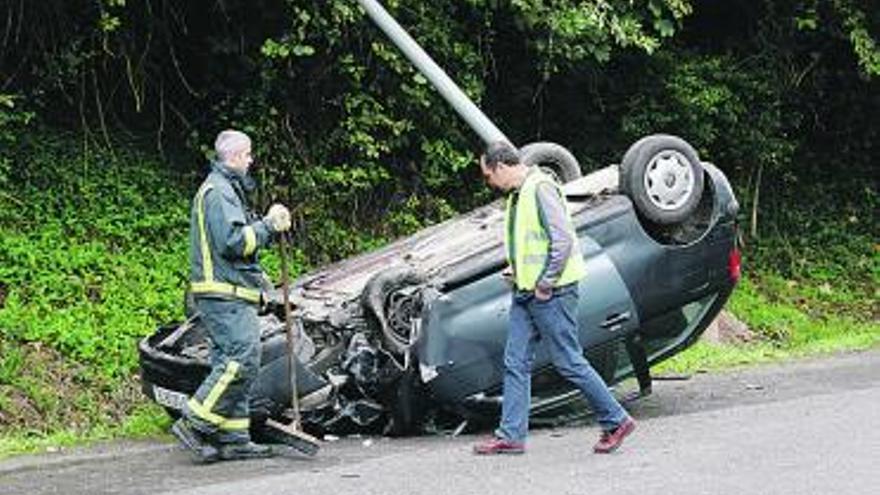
(170, 398)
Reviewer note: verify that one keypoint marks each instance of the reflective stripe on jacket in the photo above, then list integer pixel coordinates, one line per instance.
(526, 239)
(224, 239)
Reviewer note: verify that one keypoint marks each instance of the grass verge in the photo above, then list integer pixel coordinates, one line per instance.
(785, 330)
(146, 421)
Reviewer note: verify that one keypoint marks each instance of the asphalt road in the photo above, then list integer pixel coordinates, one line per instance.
(799, 428)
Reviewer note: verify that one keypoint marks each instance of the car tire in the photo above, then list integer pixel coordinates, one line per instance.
(663, 176)
(376, 295)
(552, 158)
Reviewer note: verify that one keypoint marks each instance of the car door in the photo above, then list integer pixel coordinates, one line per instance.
(464, 330)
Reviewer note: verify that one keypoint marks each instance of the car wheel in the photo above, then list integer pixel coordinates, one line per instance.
(663, 177)
(552, 158)
(392, 296)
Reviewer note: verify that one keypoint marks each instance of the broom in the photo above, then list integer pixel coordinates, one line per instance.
(292, 434)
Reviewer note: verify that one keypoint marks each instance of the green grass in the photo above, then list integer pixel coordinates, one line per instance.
(785, 331)
(704, 356)
(146, 421)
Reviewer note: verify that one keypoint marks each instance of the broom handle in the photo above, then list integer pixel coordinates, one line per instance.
(288, 327)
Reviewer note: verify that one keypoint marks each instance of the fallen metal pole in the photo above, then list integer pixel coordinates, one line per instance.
(438, 78)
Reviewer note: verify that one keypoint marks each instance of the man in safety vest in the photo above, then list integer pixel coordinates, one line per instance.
(226, 281)
(545, 266)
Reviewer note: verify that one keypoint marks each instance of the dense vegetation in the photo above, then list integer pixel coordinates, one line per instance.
(108, 107)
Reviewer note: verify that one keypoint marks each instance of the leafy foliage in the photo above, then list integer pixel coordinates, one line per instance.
(90, 259)
(344, 122)
(711, 99)
(95, 258)
(12, 122)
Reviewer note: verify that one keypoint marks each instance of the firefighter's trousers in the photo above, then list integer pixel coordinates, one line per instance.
(219, 408)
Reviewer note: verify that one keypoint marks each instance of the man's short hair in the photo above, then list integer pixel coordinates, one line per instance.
(230, 142)
(500, 152)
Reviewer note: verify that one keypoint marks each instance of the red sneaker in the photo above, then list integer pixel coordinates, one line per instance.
(611, 440)
(497, 445)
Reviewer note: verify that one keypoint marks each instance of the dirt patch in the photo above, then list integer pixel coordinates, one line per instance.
(16, 406)
(728, 329)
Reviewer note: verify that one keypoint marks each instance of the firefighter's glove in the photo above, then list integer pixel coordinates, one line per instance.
(278, 218)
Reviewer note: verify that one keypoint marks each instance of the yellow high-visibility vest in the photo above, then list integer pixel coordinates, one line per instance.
(528, 244)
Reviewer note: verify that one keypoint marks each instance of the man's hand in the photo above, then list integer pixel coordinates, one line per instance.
(542, 294)
(507, 275)
(278, 218)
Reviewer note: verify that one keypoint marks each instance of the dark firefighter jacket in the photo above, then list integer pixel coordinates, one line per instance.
(225, 237)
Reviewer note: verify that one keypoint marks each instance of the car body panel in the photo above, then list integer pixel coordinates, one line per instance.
(465, 329)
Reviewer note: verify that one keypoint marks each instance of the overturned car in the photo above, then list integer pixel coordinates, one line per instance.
(411, 336)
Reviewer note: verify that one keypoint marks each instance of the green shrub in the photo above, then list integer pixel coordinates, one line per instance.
(96, 257)
(92, 258)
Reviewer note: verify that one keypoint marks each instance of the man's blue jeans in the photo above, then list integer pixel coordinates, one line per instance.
(555, 323)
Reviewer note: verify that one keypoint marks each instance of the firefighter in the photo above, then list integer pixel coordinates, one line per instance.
(227, 283)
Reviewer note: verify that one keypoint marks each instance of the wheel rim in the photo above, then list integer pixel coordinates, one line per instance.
(669, 180)
(402, 307)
